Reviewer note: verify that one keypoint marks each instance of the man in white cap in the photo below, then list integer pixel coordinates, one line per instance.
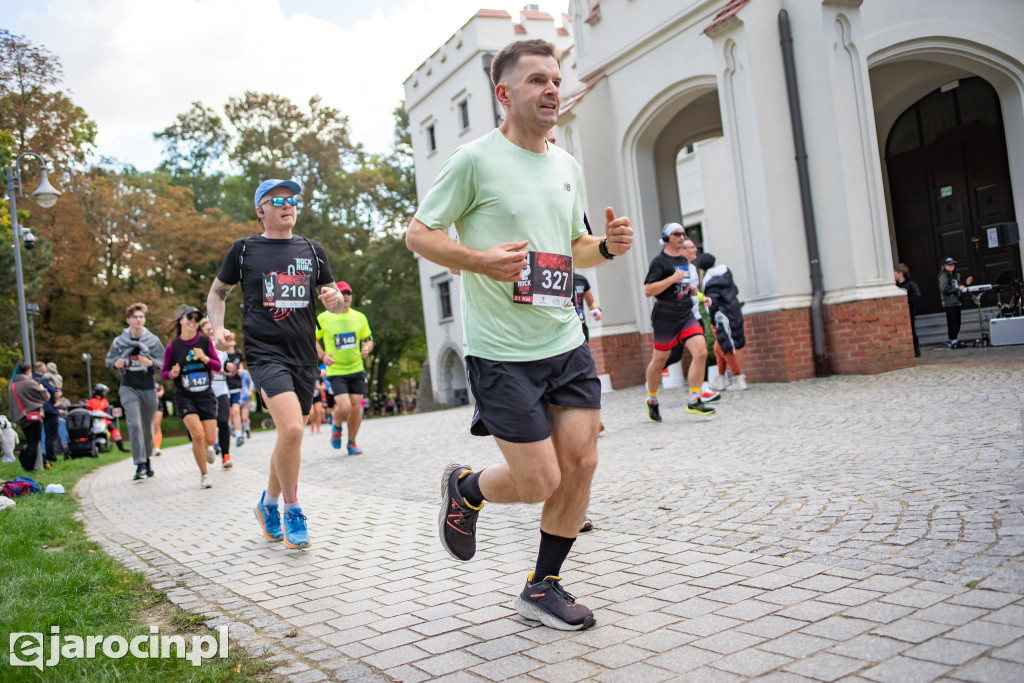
(670, 281)
(280, 273)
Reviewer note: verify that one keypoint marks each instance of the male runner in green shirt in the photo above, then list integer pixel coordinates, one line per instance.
(517, 204)
(343, 342)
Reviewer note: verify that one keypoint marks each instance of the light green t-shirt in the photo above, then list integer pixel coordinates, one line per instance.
(494, 191)
(341, 335)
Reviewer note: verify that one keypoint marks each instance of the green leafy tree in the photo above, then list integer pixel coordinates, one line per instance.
(354, 203)
(195, 146)
(382, 270)
(41, 118)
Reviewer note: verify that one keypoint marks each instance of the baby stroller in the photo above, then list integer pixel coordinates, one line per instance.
(83, 440)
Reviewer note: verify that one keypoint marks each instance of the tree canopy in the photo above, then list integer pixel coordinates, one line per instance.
(118, 235)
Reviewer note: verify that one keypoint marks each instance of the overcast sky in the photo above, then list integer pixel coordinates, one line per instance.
(134, 65)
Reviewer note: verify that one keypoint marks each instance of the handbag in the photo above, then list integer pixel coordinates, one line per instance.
(30, 416)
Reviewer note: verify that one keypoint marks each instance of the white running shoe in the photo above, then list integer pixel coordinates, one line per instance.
(717, 382)
(739, 383)
(205, 482)
(211, 455)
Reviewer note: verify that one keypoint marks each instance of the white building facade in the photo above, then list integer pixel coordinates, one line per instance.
(678, 110)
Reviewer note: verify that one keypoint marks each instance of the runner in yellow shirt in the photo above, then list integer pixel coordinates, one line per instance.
(343, 342)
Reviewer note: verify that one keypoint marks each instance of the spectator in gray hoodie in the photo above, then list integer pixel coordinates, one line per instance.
(138, 355)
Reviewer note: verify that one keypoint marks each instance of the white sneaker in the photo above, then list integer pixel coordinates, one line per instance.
(739, 383)
(211, 455)
(206, 482)
(717, 382)
(156, 453)
(730, 379)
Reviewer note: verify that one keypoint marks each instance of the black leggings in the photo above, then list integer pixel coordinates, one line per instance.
(953, 322)
(223, 425)
(33, 440)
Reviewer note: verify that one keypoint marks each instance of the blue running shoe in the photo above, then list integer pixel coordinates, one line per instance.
(295, 534)
(269, 519)
(353, 449)
(335, 437)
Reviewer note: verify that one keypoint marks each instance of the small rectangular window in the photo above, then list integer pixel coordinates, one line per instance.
(431, 139)
(444, 293)
(464, 114)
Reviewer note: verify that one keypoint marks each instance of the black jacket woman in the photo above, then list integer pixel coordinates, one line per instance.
(950, 290)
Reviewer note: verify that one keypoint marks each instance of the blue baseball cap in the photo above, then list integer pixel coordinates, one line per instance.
(268, 185)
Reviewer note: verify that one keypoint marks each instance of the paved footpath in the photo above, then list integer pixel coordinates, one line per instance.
(855, 528)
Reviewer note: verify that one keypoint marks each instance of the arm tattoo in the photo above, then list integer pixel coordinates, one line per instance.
(215, 302)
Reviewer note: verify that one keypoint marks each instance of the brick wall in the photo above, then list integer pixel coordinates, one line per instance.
(624, 357)
(868, 337)
(861, 338)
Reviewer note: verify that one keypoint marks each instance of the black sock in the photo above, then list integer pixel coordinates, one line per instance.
(469, 488)
(553, 551)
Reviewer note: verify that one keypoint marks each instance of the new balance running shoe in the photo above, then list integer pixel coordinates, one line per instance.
(270, 520)
(295, 534)
(653, 413)
(698, 408)
(457, 520)
(550, 604)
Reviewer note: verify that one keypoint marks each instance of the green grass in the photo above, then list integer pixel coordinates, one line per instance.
(51, 574)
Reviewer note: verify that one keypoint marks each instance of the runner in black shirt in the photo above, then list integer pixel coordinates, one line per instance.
(282, 275)
(672, 323)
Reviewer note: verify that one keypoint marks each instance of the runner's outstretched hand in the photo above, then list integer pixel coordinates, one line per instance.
(330, 296)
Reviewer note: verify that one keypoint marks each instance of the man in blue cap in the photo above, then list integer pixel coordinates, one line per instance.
(282, 275)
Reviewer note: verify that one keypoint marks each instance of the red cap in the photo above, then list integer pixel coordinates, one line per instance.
(344, 287)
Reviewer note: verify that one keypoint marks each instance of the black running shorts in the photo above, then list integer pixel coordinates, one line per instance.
(348, 384)
(201, 403)
(278, 378)
(513, 398)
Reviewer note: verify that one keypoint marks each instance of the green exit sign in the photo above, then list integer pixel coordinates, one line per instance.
(946, 191)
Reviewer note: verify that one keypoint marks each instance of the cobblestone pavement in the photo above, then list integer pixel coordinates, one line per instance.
(861, 528)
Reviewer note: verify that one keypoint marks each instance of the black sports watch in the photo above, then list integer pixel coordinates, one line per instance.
(603, 248)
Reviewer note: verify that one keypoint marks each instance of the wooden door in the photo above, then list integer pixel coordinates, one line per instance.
(949, 178)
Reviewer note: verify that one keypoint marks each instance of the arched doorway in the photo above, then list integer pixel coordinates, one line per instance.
(659, 144)
(453, 390)
(948, 178)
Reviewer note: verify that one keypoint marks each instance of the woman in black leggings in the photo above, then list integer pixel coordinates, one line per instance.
(950, 290)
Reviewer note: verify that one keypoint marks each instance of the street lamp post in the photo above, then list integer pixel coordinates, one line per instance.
(88, 371)
(32, 309)
(46, 195)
